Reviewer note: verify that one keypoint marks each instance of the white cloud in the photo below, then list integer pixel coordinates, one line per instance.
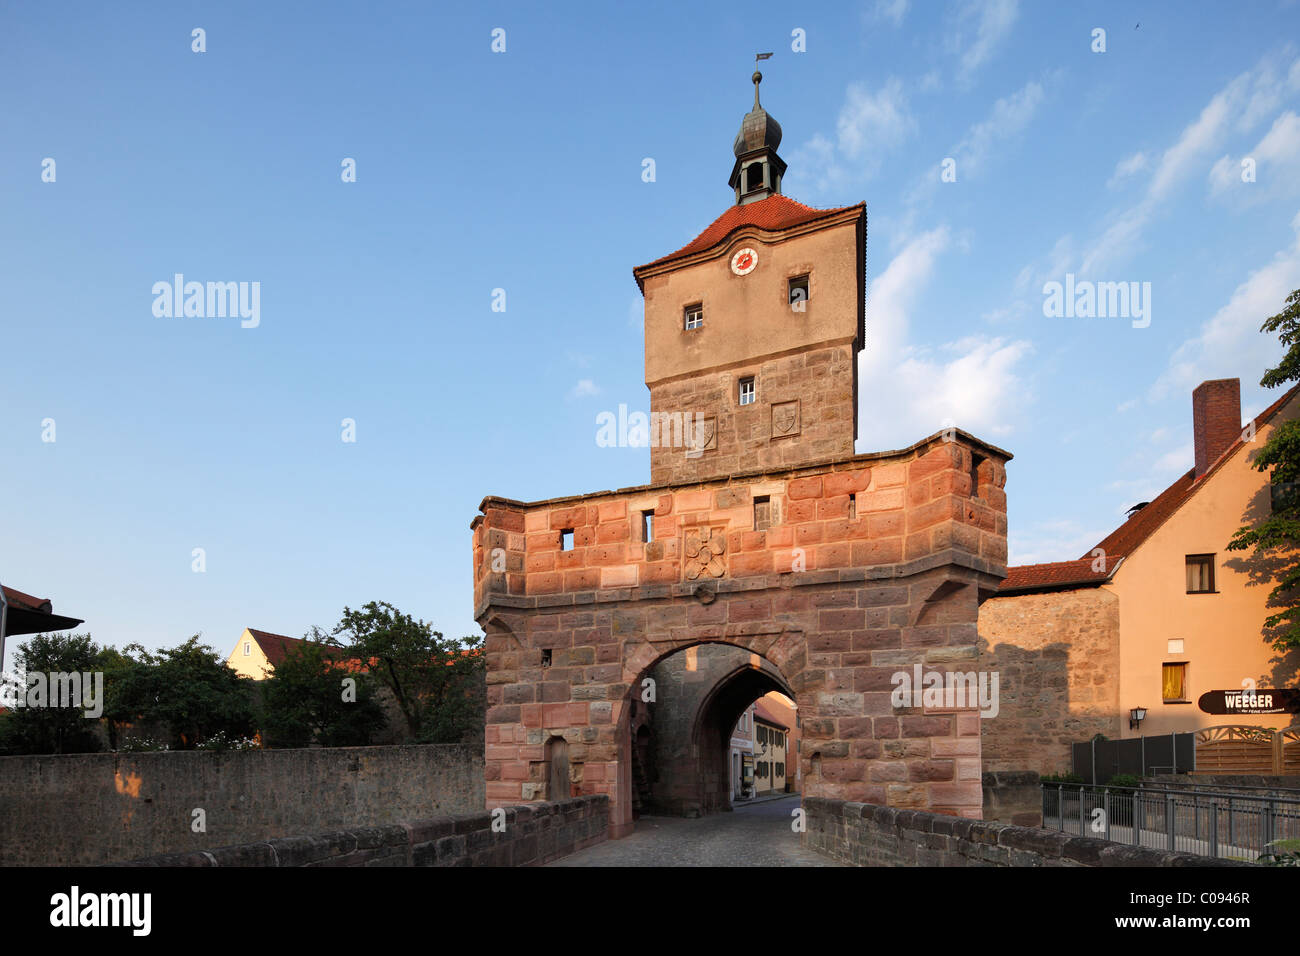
(1128, 167)
(993, 21)
(1009, 116)
(891, 10)
(870, 124)
(1176, 461)
(1242, 100)
(892, 293)
(912, 392)
(1277, 165)
(584, 388)
(1230, 343)
(1058, 540)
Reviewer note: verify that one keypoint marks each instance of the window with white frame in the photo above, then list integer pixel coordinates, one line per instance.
(748, 394)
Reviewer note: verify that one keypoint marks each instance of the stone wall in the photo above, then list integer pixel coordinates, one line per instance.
(1057, 657)
(529, 835)
(866, 835)
(1013, 796)
(75, 809)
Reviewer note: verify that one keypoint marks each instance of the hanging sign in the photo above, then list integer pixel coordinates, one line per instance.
(1261, 701)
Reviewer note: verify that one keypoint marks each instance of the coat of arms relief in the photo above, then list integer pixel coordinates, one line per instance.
(706, 550)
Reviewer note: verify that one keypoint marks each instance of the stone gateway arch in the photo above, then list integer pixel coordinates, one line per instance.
(762, 529)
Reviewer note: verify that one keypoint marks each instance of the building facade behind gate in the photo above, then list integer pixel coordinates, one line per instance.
(761, 528)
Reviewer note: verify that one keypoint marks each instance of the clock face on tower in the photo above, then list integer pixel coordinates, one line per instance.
(744, 261)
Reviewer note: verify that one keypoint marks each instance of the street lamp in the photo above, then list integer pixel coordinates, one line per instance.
(1136, 716)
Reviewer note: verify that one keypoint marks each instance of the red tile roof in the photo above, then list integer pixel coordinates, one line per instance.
(32, 615)
(1055, 576)
(20, 599)
(761, 712)
(773, 214)
(1126, 539)
(276, 647)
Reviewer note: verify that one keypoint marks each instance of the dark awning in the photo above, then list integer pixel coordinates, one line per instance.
(25, 614)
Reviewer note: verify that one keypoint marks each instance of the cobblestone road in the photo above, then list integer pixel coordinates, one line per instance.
(757, 835)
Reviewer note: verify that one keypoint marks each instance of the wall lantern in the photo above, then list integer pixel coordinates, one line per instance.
(1136, 716)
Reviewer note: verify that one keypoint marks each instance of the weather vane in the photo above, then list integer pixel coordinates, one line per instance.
(762, 56)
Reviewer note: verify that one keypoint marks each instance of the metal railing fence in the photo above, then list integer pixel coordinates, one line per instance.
(1205, 822)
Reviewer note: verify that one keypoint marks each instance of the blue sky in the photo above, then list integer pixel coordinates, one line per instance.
(522, 171)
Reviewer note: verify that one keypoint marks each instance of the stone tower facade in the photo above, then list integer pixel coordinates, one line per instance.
(761, 528)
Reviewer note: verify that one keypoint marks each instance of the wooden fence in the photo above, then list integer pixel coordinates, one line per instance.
(1239, 748)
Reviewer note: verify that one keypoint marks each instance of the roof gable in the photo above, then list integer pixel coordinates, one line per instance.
(772, 214)
(1126, 539)
(276, 647)
(1129, 536)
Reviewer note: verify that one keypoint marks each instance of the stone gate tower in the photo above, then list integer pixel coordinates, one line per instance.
(752, 330)
(761, 528)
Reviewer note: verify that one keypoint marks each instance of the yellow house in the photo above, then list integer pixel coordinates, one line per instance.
(1158, 621)
(770, 749)
(257, 653)
(1191, 612)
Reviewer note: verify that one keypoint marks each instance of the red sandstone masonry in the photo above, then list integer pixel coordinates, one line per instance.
(836, 603)
(936, 515)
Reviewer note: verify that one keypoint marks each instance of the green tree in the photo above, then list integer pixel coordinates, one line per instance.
(46, 721)
(188, 688)
(1276, 537)
(53, 725)
(437, 682)
(115, 666)
(306, 700)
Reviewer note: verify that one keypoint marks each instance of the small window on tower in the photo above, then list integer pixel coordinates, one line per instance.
(799, 294)
(694, 316)
(753, 177)
(647, 526)
(566, 539)
(747, 393)
(762, 513)
(853, 506)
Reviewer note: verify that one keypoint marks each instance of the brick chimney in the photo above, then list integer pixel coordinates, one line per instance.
(1216, 419)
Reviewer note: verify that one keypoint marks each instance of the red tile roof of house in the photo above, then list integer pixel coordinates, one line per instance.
(32, 615)
(1126, 539)
(20, 599)
(772, 214)
(761, 712)
(1055, 576)
(276, 647)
